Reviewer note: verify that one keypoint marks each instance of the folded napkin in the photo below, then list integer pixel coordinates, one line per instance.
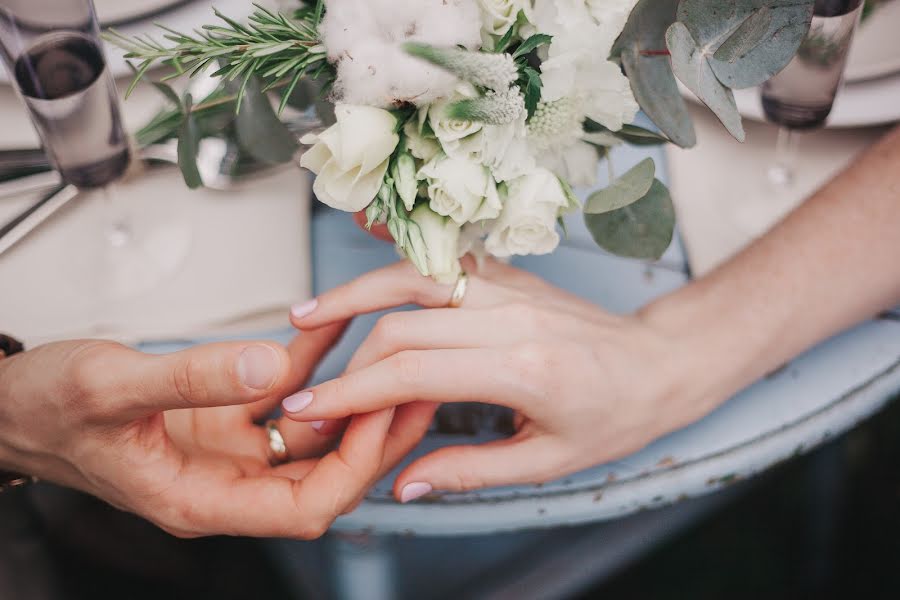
(719, 187)
(243, 256)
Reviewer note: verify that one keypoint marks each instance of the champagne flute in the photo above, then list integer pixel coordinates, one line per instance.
(800, 98)
(54, 54)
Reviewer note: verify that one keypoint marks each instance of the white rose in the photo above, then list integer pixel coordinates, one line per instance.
(352, 156)
(499, 15)
(505, 150)
(528, 222)
(439, 243)
(577, 163)
(457, 137)
(461, 189)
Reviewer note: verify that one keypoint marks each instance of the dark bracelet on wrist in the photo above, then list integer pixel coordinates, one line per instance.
(8, 481)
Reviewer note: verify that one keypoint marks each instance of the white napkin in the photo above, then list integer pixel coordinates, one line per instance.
(719, 186)
(247, 259)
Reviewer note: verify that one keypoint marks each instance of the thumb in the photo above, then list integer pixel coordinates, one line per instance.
(516, 461)
(210, 375)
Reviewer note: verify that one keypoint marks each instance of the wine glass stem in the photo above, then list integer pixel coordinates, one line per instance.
(781, 172)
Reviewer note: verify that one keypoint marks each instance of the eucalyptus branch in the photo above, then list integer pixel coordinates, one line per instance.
(270, 46)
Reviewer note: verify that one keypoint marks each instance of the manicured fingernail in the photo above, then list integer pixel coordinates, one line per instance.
(414, 491)
(317, 425)
(297, 402)
(258, 367)
(298, 311)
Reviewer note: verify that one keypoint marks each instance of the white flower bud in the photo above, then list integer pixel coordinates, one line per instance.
(493, 71)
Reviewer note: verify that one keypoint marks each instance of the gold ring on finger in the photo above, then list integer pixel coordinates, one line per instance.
(459, 292)
(277, 451)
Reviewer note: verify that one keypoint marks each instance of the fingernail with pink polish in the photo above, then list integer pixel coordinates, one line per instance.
(298, 311)
(414, 491)
(318, 425)
(258, 367)
(297, 402)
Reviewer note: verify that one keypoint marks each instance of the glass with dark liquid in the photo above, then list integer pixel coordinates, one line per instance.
(53, 52)
(802, 95)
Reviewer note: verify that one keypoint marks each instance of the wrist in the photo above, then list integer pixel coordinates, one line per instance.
(9, 478)
(713, 354)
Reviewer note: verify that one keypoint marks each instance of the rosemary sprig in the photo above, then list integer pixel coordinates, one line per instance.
(277, 50)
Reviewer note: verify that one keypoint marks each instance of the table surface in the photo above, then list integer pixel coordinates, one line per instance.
(815, 398)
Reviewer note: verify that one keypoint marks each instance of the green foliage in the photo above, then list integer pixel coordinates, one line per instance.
(270, 47)
(642, 230)
(624, 191)
(530, 84)
(630, 134)
(188, 146)
(745, 42)
(642, 50)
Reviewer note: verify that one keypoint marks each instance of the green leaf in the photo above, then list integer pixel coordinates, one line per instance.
(260, 132)
(692, 67)
(747, 37)
(188, 145)
(503, 43)
(532, 43)
(531, 89)
(642, 49)
(642, 230)
(624, 191)
(746, 42)
(169, 94)
(631, 134)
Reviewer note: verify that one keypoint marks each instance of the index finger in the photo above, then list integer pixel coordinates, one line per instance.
(390, 287)
(489, 375)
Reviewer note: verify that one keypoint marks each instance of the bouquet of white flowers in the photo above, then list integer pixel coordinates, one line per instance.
(465, 125)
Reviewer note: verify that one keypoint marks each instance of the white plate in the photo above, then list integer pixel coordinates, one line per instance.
(876, 49)
(184, 18)
(112, 12)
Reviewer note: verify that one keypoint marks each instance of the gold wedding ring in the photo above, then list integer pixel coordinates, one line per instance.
(278, 451)
(459, 292)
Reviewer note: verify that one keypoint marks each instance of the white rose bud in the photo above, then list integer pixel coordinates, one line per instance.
(420, 146)
(499, 15)
(528, 222)
(458, 137)
(461, 189)
(404, 174)
(440, 238)
(351, 157)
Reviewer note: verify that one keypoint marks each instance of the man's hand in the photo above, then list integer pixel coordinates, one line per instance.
(173, 439)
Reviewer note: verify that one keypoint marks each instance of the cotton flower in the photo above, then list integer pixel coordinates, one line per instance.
(364, 39)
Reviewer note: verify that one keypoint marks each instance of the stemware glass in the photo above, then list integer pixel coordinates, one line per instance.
(800, 98)
(54, 55)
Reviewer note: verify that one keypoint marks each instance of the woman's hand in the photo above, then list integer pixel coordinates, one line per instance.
(173, 439)
(588, 386)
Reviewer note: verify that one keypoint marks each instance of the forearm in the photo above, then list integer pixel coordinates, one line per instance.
(832, 263)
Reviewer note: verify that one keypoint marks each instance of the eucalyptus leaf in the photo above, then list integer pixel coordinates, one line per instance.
(642, 230)
(746, 42)
(691, 66)
(259, 130)
(632, 134)
(642, 49)
(624, 191)
(188, 146)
